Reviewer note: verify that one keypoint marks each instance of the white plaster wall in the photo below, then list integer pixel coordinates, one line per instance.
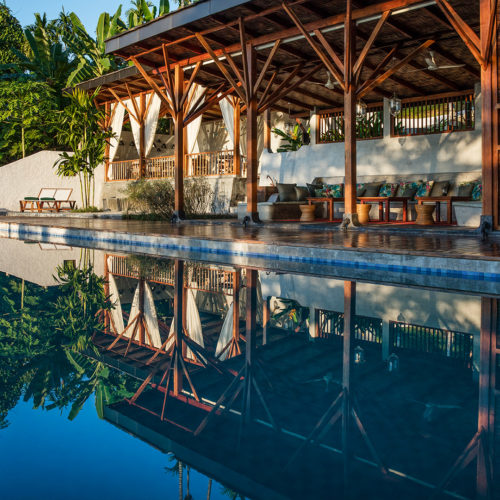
(389, 303)
(27, 176)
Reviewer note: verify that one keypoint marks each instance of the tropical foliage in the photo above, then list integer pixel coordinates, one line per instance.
(293, 140)
(79, 126)
(11, 36)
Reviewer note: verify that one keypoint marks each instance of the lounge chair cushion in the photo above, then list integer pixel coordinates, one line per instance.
(301, 192)
(31, 198)
(287, 192)
(389, 189)
(407, 189)
(47, 199)
(334, 190)
(360, 188)
(425, 188)
(440, 188)
(465, 188)
(313, 188)
(477, 192)
(372, 189)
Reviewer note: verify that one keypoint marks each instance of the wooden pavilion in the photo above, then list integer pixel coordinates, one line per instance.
(270, 55)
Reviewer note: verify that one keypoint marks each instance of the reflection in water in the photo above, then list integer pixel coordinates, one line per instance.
(277, 385)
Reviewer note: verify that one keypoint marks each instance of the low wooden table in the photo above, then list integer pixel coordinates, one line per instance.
(330, 201)
(385, 201)
(437, 200)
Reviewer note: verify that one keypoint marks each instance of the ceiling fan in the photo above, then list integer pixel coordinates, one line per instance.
(432, 65)
(330, 82)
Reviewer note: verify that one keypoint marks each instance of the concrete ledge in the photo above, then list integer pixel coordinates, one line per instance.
(468, 213)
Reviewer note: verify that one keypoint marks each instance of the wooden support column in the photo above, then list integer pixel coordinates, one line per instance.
(178, 321)
(236, 306)
(107, 122)
(250, 331)
(266, 320)
(489, 115)
(179, 143)
(267, 130)
(252, 135)
(237, 134)
(142, 136)
(486, 403)
(350, 211)
(349, 312)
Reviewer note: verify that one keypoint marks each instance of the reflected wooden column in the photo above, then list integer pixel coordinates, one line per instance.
(142, 135)
(266, 320)
(486, 403)
(179, 143)
(250, 334)
(349, 313)
(178, 321)
(267, 130)
(252, 136)
(350, 119)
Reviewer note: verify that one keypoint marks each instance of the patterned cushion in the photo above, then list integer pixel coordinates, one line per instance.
(335, 190)
(388, 190)
(313, 187)
(360, 188)
(477, 192)
(320, 193)
(407, 189)
(440, 188)
(425, 188)
(301, 192)
(465, 188)
(287, 192)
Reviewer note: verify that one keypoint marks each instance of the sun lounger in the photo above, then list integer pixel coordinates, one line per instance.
(49, 200)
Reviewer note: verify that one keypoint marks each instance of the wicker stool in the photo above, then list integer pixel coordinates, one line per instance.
(307, 213)
(424, 215)
(363, 210)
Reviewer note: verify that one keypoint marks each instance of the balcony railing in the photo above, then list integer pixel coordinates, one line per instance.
(210, 163)
(435, 114)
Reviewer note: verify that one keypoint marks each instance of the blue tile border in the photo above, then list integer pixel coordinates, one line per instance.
(75, 234)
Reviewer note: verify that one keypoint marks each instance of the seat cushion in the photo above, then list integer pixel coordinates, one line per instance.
(372, 189)
(313, 188)
(30, 198)
(388, 190)
(440, 188)
(425, 188)
(287, 192)
(301, 193)
(47, 199)
(477, 192)
(465, 188)
(407, 189)
(335, 190)
(360, 188)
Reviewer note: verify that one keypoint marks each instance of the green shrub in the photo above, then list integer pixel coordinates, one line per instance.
(151, 197)
(198, 197)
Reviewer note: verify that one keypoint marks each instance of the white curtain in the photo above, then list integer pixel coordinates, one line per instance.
(228, 116)
(193, 128)
(115, 313)
(151, 318)
(134, 311)
(226, 334)
(116, 128)
(153, 104)
(193, 324)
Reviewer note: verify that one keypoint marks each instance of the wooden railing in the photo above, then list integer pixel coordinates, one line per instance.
(207, 279)
(369, 126)
(435, 114)
(210, 163)
(365, 328)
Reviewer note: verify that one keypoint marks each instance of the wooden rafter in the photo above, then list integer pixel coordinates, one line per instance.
(210, 103)
(283, 84)
(264, 69)
(329, 49)
(120, 100)
(267, 89)
(465, 32)
(369, 85)
(190, 83)
(169, 84)
(319, 52)
(488, 44)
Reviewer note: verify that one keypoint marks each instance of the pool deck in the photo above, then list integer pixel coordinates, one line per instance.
(438, 252)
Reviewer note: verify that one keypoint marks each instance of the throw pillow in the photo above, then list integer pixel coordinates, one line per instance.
(320, 193)
(388, 190)
(477, 192)
(335, 190)
(301, 192)
(425, 188)
(360, 188)
(287, 192)
(465, 188)
(372, 189)
(440, 188)
(313, 187)
(407, 189)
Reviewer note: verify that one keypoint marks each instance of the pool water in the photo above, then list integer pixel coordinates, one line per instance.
(128, 376)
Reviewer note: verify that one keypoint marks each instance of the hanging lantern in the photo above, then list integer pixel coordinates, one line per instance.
(395, 105)
(393, 363)
(359, 355)
(361, 108)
